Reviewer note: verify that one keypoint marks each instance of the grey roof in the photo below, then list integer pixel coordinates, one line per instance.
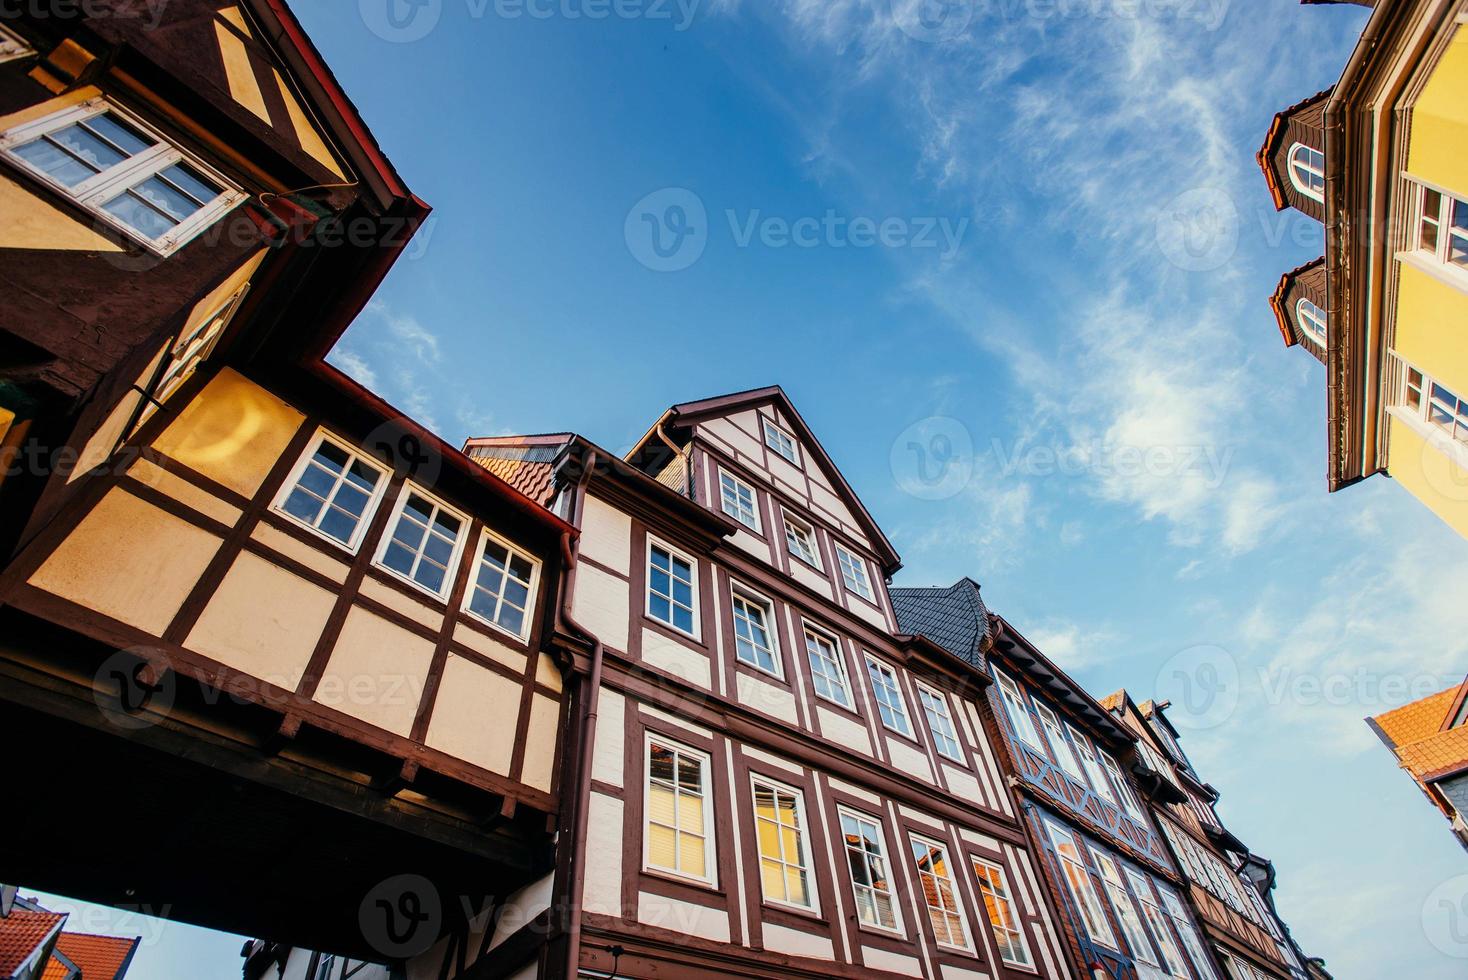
(955, 617)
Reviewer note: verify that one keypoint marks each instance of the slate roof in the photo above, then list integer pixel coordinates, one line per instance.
(955, 617)
(95, 957)
(21, 933)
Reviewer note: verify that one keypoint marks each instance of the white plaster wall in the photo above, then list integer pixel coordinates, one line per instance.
(793, 942)
(685, 663)
(602, 889)
(844, 730)
(909, 760)
(606, 535)
(766, 697)
(662, 912)
(601, 605)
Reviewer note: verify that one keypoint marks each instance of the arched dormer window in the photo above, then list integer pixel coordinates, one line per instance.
(1311, 319)
(1307, 171)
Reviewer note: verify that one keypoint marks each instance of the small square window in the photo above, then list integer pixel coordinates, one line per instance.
(503, 590)
(423, 546)
(333, 491)
(671, 588)
(739, 500)
(800, 539)
(781, 442)
(828, 677)
(889, 697)
(854, 573)
(940, 724)
(754, 638)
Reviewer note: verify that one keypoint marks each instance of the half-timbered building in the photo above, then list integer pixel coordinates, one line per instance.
(1229, 888)
(1066, 757)
(776, 782)
(299, 652)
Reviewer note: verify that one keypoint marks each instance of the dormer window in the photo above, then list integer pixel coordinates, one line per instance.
(1311, 319)
(781, 441)
(121, 171)
(1307, 171)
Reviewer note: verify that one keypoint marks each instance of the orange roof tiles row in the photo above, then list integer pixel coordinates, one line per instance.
(21, 933)
(1419, 720)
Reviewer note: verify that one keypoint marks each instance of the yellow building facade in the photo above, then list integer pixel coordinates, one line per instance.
(1382, 160)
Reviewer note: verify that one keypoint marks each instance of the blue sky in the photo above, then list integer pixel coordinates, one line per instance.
(1025, 311)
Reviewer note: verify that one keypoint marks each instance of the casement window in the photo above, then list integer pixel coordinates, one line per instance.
(119, 169)
(1059, 746)
(1157, 763)
(503, 589)
(11, 46)
(800, 539)
(739, 500)
(333, 491)
(1123, 788)
(866, 858)
(424, 544)
(888, 692)
(1082, 889)
(1430, 402)
(1307, 171)
(191, 349)
(1019, 714)
(784, 844)
(1311, 319)
(1169, 742)
(1092, 767)
(781, 442)
(672, 588)
(1125, 910)
(679, 811)
(828, 677)
(935, 879)
(940, 724)
(754, 641)
(1442, 227)
(854, 573)
(1172, 960)
(1014, 949)
(325, 967)
(1185, 928)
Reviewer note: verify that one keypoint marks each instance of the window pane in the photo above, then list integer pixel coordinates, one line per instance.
(164, 196)
(192, 183)
(89, 147)
(135, 212)
(51, 159)
(120, 134)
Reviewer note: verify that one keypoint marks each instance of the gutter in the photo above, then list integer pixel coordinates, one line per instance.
(582, 804)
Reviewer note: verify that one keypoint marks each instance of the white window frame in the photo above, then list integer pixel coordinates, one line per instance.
(1422, 413)
(1197, 950)
(485, 537)
(1114, 884)
(1089, 763)
(739, 593)
(808, 532)
(838, 658)
(1312, 321)
(935, 845)
(1129, 800)
(1296, 159)
(451, 571)
(1059, 744)
(1086, 897)
(782, 443)
(709, 852)
(12, 46)
(928, 700)
(1442, 221)
(1172, 957)
(653, 542)
(885, 855)
(755, 781)
(1015, 706)
(100, 189)
(884, 680)
(1006, 900)
(726, 477)
(191, 348)
(353, 544)
(855, 574)
(324, 967)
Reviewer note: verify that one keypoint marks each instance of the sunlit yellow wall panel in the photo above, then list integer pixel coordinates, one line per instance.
(264, 621)
(233, 432)
(311, 140)
(33, 222)
(377, 672)
(1439, 149)
(240, 73)
(129, 560)
(1430, 475)
(540, 742)
(475, 715)
(1432, 328)
(110, 433)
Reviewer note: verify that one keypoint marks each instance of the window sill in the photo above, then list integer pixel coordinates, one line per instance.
(392, 575)
(673, 632)
(284, 517)
(674, 878)
(807, 563)
(497, 632)
(1426, 263)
